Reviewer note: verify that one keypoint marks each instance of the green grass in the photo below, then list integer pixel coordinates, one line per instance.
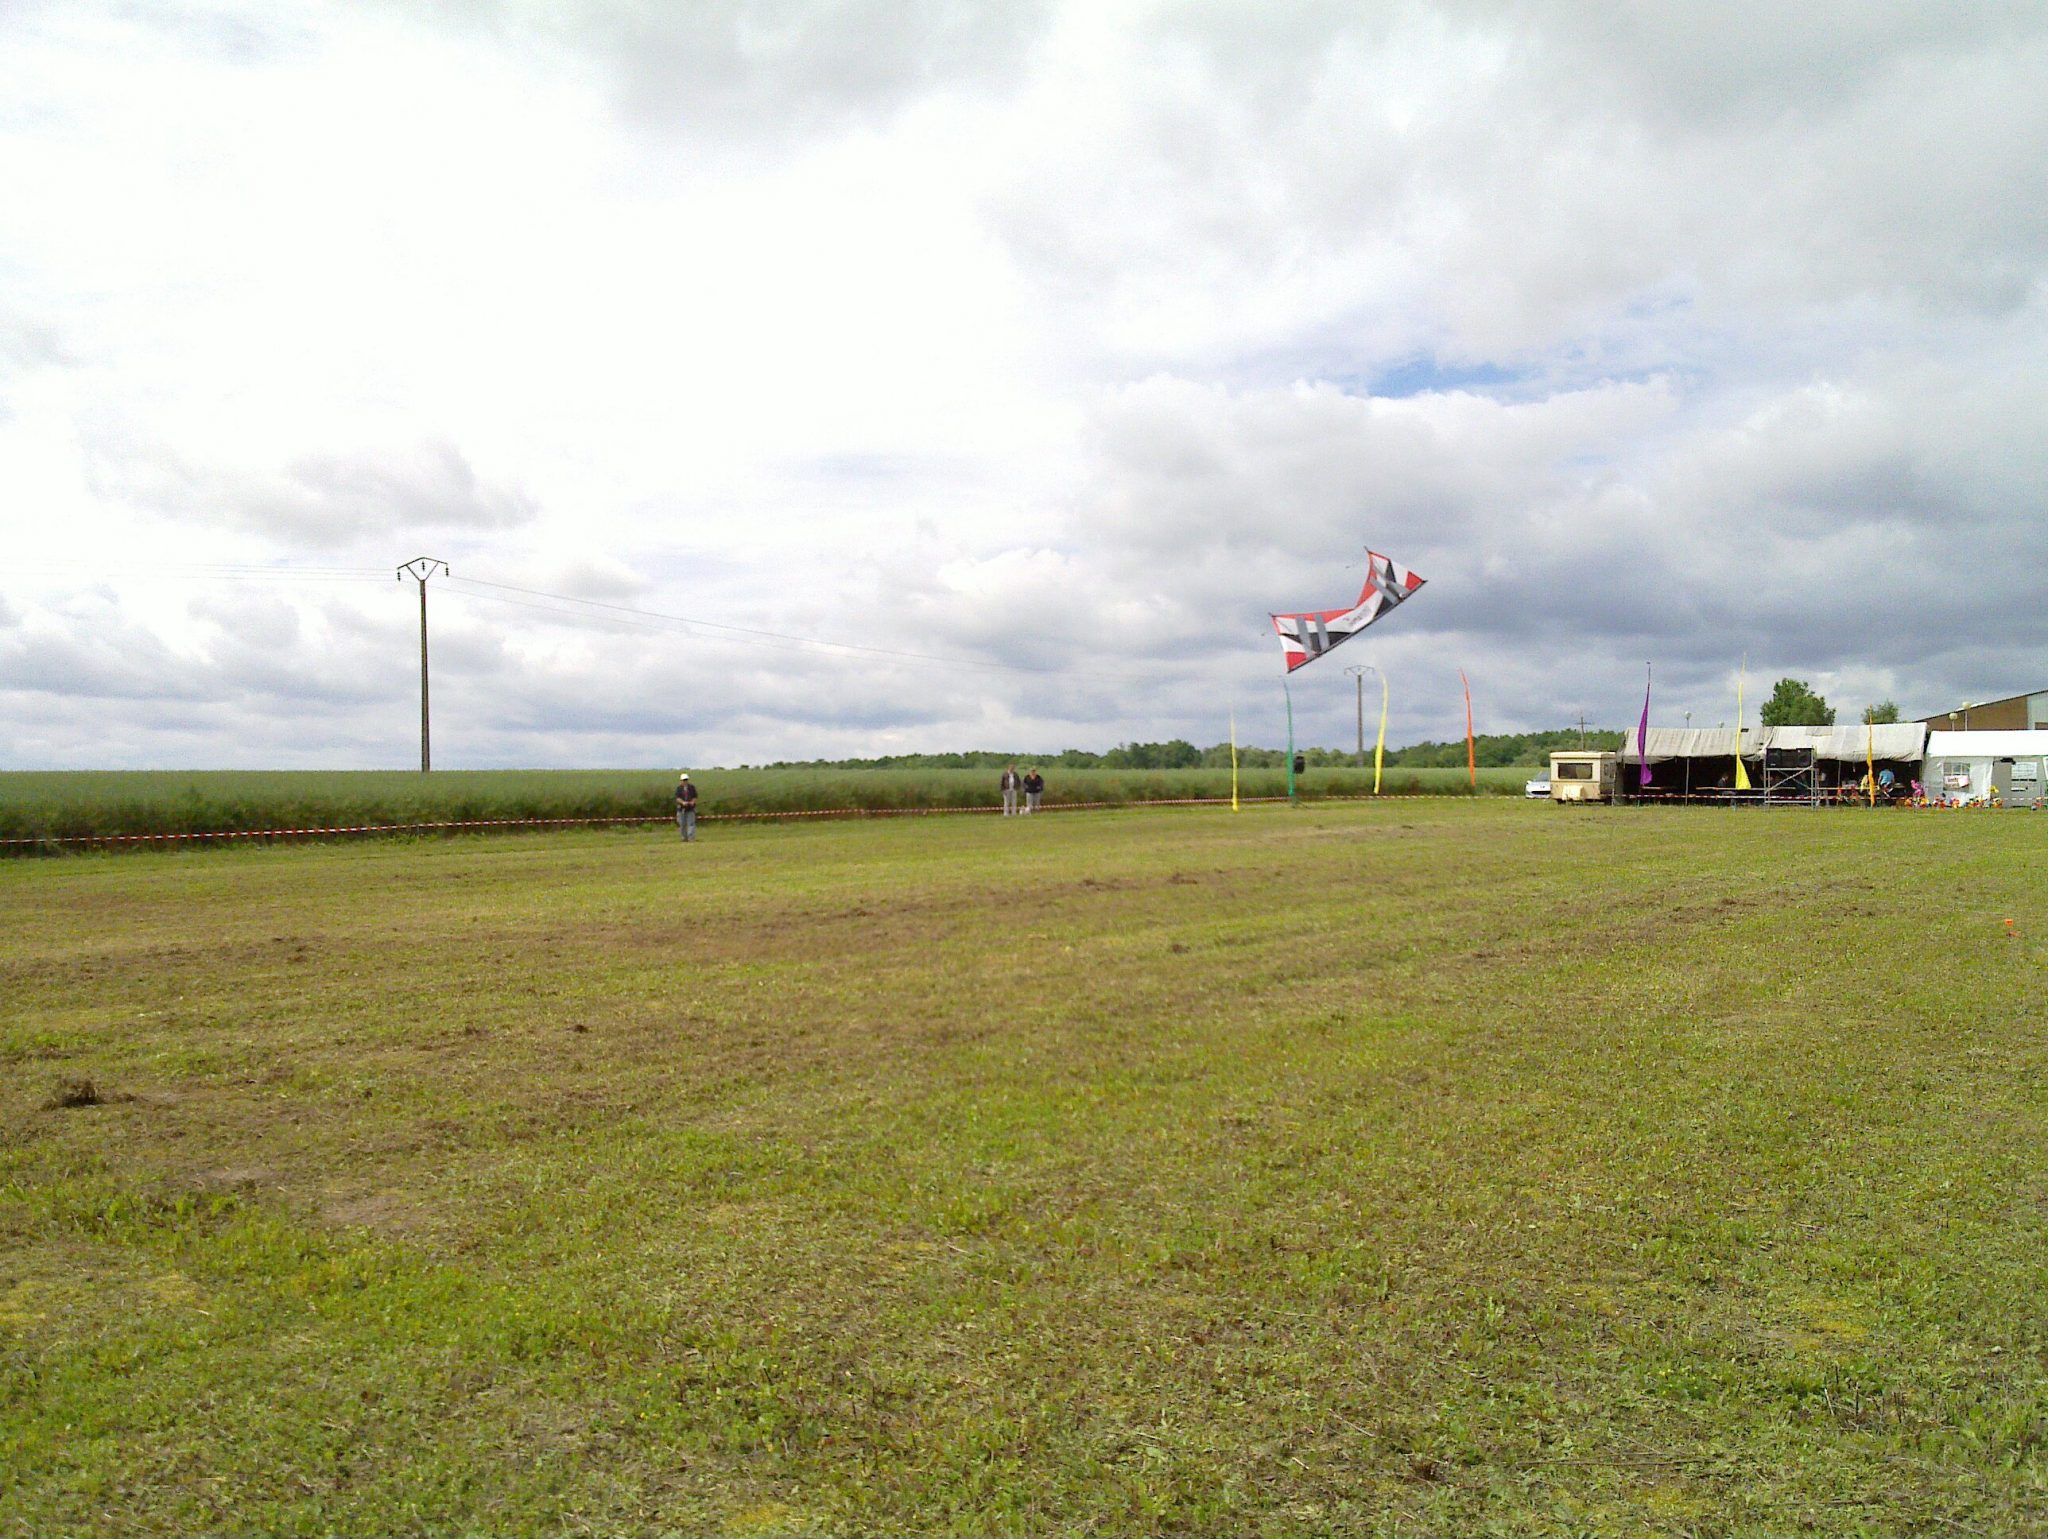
(90, 803)
(1401, 1168)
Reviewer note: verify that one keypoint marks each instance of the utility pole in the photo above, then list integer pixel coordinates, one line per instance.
(1288, 690)
(419, 569)
(1358, 677)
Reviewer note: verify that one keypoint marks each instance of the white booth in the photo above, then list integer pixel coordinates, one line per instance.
(2006, 767)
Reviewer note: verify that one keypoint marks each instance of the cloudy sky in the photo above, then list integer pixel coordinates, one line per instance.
(1029, 352)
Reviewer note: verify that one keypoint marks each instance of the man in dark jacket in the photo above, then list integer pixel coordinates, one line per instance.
(1034, 787)
(686, 808)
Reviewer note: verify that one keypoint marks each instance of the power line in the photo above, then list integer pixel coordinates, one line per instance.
(203, 571)
(756, 634)
(567, 606)
(624, 622)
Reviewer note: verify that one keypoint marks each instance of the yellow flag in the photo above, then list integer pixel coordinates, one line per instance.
(1741, 774)
(1379, 749)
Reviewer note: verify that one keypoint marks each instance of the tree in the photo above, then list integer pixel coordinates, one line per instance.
(1882, 714)
(1178, 753)
(1792, 704)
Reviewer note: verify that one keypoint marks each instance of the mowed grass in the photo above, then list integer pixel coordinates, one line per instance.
(75, 804)
(1425, 1168)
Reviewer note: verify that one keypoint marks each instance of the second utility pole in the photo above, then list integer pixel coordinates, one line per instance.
(1358, 677)
(420, 568)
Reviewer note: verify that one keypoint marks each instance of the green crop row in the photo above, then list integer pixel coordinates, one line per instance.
(37, 805)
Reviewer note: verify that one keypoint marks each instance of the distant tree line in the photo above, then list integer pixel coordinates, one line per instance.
(1494, 750)
(1501, 749)
(1792, 703)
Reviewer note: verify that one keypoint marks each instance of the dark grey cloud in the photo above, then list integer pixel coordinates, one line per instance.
(428, 485)
(1490, 184)
(319, 500)
(247, 645)
(779, 70)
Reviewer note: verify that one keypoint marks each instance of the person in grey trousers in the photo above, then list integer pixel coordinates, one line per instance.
(686, 808)
(1012, 784)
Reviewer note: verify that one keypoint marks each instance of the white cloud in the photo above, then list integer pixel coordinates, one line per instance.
(1069, 337)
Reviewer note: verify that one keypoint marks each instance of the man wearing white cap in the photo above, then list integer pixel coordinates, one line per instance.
(686, 808)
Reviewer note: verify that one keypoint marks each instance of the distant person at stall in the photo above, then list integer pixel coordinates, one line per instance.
(686, 808)
(1012, 784)
(1034, 788)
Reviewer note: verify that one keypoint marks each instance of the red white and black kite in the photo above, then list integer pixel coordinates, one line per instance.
(1306, 637)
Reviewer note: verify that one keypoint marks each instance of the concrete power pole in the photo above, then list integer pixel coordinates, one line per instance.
(419, 569)
(1358, 677)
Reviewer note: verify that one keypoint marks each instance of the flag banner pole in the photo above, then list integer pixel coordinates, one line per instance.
(1643, 735)
(1471, 743)
(1290, 738)
(1379, 749)
(1870, 759)
(1741, 773)
(1233, 758)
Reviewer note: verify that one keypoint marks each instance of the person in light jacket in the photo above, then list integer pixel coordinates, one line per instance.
(1012, 784)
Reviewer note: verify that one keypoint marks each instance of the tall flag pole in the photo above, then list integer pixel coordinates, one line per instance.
(1741, 774)
(1379, 748)
(1290, 739)
(1643, 735)
(1471, 744)
(1233, 758)
(1870, 756)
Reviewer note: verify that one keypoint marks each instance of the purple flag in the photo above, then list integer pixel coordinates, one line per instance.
(1643, 732)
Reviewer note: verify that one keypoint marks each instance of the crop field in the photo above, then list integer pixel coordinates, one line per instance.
(1423, 1168)
(78, 804)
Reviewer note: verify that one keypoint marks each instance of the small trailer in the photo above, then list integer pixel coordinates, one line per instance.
(1583, 775)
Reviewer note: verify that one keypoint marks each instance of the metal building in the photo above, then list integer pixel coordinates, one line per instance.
(2013, 713)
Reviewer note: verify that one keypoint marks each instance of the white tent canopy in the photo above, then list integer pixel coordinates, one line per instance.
(1899, 740)
(1663, 743)
(1987, 745)
(1896, 741)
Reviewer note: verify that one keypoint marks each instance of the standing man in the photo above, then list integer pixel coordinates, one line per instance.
(1034, 787)
(1012, 782)
(686, 808)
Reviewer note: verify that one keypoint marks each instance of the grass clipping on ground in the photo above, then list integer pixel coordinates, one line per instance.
(1424, 1168)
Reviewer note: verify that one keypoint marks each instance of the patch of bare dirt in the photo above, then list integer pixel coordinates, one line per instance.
(83, 1091)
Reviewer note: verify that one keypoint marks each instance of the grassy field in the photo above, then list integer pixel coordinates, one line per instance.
(1429, 1168)
(75, 804)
